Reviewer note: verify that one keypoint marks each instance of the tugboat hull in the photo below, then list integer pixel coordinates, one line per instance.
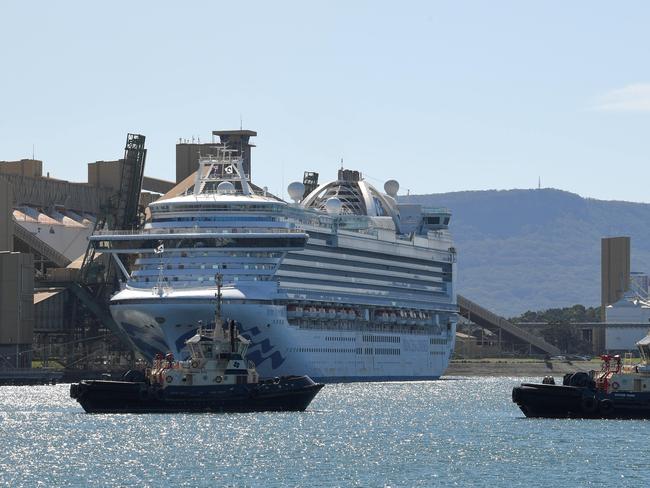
(556, 401)
(282, 394)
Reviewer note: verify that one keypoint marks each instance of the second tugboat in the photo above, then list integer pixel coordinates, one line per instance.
(216, 378)
(616, 391)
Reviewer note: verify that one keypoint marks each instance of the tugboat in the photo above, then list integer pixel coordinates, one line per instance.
(616, 391)
(216, 378)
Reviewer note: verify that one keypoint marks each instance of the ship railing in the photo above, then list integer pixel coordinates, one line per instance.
(198, 230)
(438, 210)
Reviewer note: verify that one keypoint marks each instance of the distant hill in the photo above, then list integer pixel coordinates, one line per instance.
(522, 250)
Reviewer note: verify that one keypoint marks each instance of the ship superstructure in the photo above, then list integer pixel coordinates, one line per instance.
(343, 284)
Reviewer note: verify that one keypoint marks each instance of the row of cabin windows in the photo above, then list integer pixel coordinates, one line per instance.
(341, 339)
(219, 244)
(356, 350)
(438, 341)
(218, 219)
(231, 254)
(438, 353)
(387, 351)
(172, 255)
(436, 220)
(214, 266)
(374, 338)
(200, 279)
(219, 207)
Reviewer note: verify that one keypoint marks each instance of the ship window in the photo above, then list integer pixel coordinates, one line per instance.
(446, 220)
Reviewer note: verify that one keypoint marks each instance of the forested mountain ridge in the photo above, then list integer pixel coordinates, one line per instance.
(522, 250)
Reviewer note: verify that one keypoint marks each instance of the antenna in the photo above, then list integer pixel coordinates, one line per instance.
(539, 183)
(32, 152)
(341, 163)
(241, 122)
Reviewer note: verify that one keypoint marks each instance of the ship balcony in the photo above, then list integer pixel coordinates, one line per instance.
(157, 232)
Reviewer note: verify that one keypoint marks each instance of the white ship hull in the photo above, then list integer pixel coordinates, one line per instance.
(282, 348)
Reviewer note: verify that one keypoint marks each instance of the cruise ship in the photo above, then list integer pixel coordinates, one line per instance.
(342, 284)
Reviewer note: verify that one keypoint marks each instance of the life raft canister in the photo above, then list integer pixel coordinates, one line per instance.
(194, 363)
(169, 379)
(218, 379)
(615, 385)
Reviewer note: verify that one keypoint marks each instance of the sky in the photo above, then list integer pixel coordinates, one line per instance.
(442, 96)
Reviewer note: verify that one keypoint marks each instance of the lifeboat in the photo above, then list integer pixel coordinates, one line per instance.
(331, 313)
(402, 317)
(413, 317)
(341, 313)
(422, 318)
(322, 313)
(379, 315)
(350, 314)
(311, 312)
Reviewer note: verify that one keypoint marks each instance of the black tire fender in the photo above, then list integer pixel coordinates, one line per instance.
(606, 407)
(589, 404)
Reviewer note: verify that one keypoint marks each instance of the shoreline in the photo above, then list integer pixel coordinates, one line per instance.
(517, 367)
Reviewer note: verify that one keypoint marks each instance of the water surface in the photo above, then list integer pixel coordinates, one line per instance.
(458, 432)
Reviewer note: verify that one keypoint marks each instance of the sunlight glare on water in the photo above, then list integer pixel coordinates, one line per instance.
(459, 432)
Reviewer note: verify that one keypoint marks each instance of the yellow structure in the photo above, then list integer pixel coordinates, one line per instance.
(105, 174)
(25, 167)
(615, 279)
(614, 269)
(17, 306)
(6, 220)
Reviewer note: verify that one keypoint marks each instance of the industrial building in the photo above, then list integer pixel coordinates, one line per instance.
(53, 291)
(625, 298)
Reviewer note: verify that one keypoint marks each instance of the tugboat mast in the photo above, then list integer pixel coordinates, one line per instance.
(217, 319)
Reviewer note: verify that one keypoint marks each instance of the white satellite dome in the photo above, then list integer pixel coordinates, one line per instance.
(225, 187)
(296, 190)
(391, 187)
(333, 206)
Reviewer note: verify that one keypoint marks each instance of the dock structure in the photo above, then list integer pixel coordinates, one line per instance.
(518, 339)
(48, 221)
